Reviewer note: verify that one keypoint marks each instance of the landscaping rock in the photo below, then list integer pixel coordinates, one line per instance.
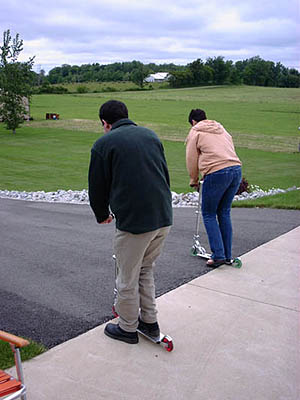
(81, 196)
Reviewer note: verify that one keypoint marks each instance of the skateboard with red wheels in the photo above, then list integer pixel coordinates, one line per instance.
(162, 339)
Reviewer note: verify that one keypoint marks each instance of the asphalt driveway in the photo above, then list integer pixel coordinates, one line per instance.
(56, 270)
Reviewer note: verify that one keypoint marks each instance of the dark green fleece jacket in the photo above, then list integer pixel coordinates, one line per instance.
(128, 173)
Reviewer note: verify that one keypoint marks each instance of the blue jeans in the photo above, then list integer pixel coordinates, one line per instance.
(218, 191)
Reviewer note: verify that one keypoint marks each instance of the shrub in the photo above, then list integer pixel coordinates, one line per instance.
(109, 89)
(244, 187)
(47, 88)
(82, 89)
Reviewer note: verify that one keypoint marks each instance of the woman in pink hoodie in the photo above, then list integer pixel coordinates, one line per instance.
(210, 152)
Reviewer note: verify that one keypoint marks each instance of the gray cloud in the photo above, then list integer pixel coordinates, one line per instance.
(77, 32)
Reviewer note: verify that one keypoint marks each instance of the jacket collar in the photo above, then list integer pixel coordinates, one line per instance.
(121, 122)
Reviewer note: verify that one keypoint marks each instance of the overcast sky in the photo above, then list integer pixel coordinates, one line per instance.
(180, 31)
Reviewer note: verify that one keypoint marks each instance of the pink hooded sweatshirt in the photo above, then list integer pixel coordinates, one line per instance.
(209, 148)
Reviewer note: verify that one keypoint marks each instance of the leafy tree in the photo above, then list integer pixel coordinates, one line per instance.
(256, 72)
(240, 66)
(15, 82)
(39, 78)
(202, 74)
(139, 74)
(181, 78)
(293, 79)
(220, 68)
(235, 77)
(55, 76)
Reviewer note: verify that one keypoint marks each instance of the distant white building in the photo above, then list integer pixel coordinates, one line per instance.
(158, 77)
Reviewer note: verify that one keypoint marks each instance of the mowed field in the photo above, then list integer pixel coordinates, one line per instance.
(255, 116)
(50, 155)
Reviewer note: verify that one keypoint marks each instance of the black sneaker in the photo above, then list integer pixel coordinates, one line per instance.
(149, 329)
(229, 261)
(115, 332)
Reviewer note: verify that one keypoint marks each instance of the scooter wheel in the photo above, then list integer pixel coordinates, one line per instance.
(237, 263)
(169, 344)
(193, 251)
(114, 312)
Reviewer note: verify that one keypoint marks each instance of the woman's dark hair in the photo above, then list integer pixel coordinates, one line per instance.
(197, 115)
(112, 111)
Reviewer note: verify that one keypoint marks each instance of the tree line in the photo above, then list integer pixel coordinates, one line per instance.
(214, 71)
(134, 71)
(253, 71)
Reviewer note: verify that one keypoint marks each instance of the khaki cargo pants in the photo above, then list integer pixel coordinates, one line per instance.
(135, 256)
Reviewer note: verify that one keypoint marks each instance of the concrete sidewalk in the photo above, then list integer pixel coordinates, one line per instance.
(235, 335)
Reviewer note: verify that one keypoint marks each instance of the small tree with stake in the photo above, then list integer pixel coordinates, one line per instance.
(15, 81)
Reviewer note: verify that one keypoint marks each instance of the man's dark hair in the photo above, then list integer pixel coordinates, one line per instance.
(197, 115)
(112, 111)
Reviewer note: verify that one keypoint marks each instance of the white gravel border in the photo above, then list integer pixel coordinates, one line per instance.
(81, 197)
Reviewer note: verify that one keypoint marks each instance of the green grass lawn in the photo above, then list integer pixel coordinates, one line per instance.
(50, 155)
(288, 201)
(255, 116)
(28, 352)
(51, 159)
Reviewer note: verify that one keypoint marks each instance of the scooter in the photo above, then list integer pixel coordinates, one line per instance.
(197, 249)
(163, 339)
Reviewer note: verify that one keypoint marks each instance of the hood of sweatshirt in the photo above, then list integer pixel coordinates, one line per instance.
(209, 126)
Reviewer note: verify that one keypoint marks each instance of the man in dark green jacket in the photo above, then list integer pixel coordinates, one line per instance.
(128, 175)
